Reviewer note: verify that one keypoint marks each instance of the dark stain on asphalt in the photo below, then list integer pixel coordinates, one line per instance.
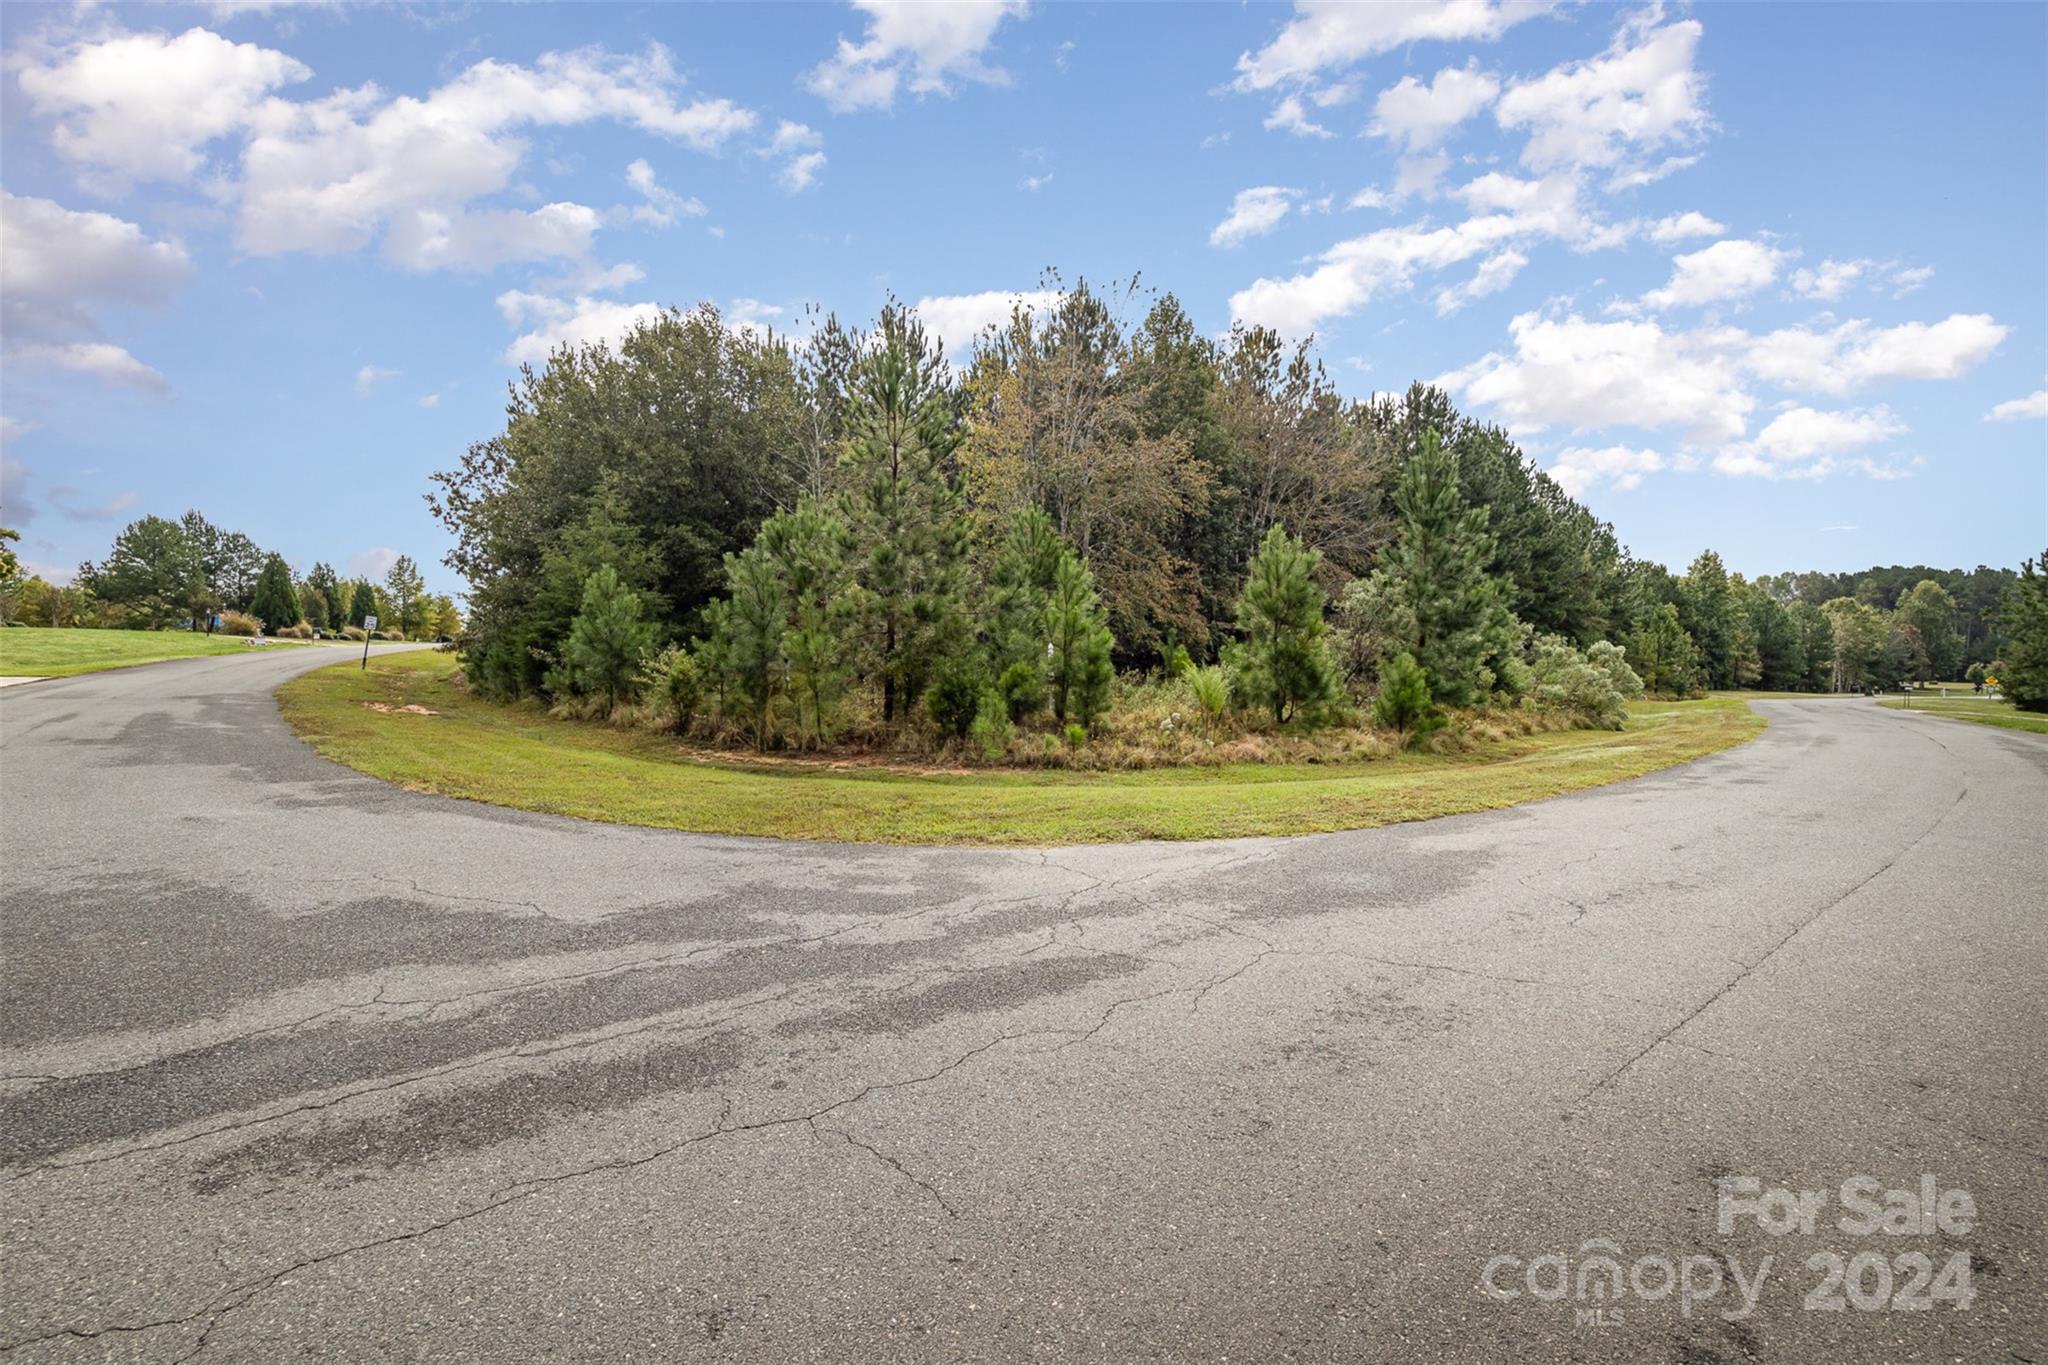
(110, 953)
(1393, 874)
(472, 1118)
(261, 1069)
(983, 991)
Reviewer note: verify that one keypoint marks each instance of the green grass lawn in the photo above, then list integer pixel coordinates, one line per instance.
(514, 755)
(1962, 704)
(36, 652)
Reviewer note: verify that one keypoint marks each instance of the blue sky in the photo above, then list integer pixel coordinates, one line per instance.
(1771, 278)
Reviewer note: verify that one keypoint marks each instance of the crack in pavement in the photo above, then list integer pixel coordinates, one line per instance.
(847, 1136)
(238, 1296)
(1608, 1080)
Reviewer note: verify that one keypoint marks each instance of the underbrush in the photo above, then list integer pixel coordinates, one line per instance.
(1151, 722)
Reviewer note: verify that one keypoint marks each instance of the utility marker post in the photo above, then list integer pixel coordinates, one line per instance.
(369, 629)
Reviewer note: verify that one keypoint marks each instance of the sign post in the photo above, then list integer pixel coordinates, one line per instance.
(369, 629)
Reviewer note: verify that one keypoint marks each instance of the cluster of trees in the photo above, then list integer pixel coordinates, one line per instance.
(857, 532)
(161, 573)
(851, 534)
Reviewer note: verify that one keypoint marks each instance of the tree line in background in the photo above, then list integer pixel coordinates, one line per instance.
(162, 574)
(853, 540)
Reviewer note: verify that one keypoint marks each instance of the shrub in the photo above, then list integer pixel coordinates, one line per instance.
(1077, 735)
(1023, 689)
(672, 676)
(1179, 663)
(353, 633)
(991, 729)
(391, 635)
(1566, 681)
(301, 631)
(954, 697)
(239, 623)
(1403, 702)
(1211, 689)
(1612, 660)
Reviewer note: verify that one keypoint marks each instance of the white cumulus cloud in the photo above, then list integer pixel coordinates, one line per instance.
(101, 360)
(1569, 372)
(1855, 353)
(59, 268)
(1681, 226)
(801, 150)
(1420, 116)
(957, 319)
(553, 322)
(1333, 33)
(2033, 406)
(1639, 96)
(1253, 213)
(143, 106)
(925, 45)
(1579, 469)
(1495, 273)
(1725, 270)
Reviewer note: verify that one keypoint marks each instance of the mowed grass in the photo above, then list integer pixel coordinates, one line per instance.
(514, 755)
(1971, 707)
(39, 652)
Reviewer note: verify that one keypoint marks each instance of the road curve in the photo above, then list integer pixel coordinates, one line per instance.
(305, 1065)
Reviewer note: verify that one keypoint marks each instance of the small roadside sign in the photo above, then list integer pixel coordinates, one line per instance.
(369, 629)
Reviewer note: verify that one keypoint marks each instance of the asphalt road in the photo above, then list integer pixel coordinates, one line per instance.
(301, 1065)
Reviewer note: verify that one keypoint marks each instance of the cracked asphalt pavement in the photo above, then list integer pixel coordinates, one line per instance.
(302, 1065)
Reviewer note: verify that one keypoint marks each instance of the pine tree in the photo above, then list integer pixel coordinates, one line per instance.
(1283, 661)
(1403, 702)
(1706, 608)
(808, 547)
(1663, 653)
(1438, 567)
(1020, 582)
(608, 639)
(603, 535)
(341, 605)
(1077, 630)
(756, 622)
(276, 601)
(2023, 618)
(362, 604)
(321, 579)
(903, 429)
(407, 592)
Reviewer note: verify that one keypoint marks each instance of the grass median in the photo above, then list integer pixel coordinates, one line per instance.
(456, 744)
(64, 652)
